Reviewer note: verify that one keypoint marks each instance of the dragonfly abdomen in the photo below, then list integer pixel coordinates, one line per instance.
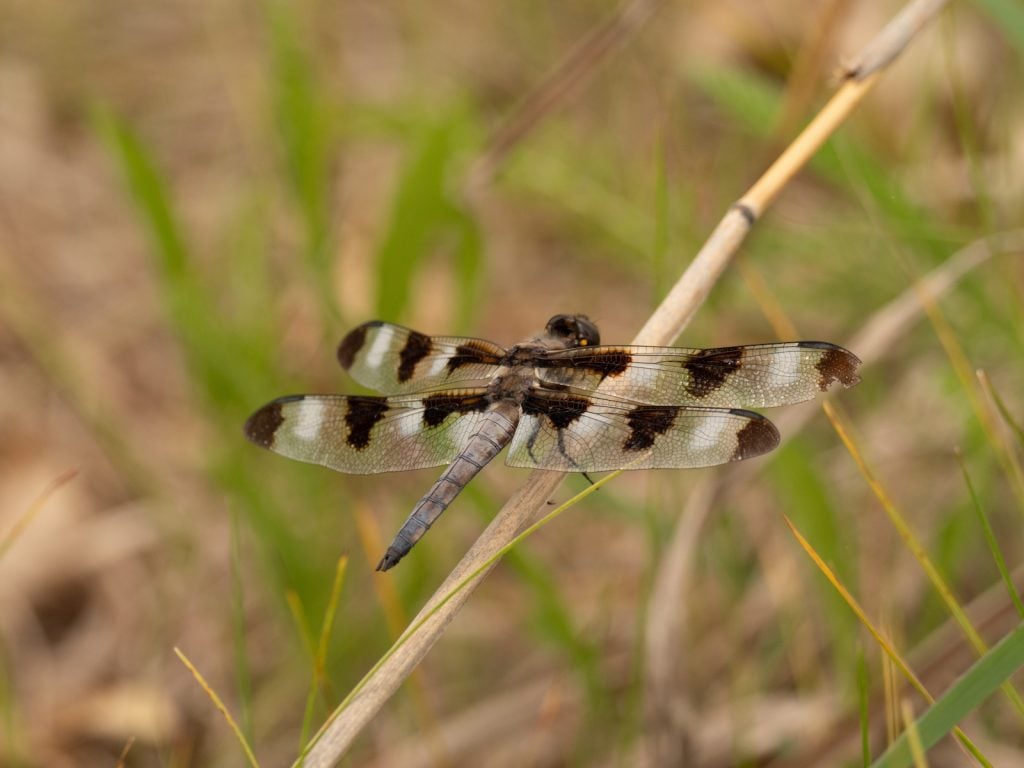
(483, 445)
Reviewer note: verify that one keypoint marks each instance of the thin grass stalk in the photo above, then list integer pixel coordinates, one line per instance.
(667, 708)
(929, 304)
(910, 726)
(961, 365)
(219, 704)
(990, 538)
(25, 518)
(664, 325)
(302, 625)
(883, 641)
(239, 624)
(945, 649)
(122, 759)
(993, 395)
(890, 685)
(914, 545)
(328, 624)
(863, 710)
(785, 327)
(460, 587)
(319, 681)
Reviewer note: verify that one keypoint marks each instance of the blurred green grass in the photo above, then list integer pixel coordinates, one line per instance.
(618, 213)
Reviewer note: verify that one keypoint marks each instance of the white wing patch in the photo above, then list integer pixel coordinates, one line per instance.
(711, 432)
(787, 368)
(309, 420)
(381, 343)
(568, 433)
(408, 427)
(437, 367)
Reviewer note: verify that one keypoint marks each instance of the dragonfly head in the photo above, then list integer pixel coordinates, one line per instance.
(577, 330)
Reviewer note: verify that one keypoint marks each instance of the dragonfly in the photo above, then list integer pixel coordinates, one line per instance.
(558, 400)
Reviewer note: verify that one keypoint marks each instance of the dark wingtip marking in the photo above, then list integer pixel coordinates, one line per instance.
(352, 343)
(837, 364)
(758, 436)
(261, 427)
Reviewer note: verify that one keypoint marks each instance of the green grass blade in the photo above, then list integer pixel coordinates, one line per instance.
(1004, 411)
(301, 116)
(189, 306)
(147, 189)
(553, 618)
(243, 671)
(418, 217)
(229, 384)
(963, 697)
(863, 681)
(990, 539)
(469, 253)
(810, 506)
(319, 682)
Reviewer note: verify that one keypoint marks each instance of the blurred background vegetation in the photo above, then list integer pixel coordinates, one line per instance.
(198, 199)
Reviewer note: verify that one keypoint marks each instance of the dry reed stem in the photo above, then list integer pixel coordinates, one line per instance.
(888, 44)
(809, 66)
(664, 325)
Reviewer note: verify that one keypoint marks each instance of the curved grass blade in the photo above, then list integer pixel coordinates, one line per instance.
(990, 538)
(219, 704)
(424, 216)
(883, 641)
(964, 696)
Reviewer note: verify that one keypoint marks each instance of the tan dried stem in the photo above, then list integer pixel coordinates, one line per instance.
(664, 325)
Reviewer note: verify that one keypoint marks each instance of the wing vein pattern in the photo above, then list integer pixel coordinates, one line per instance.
(393, 359)
(753, 376)
(368, 435)
(563, 431)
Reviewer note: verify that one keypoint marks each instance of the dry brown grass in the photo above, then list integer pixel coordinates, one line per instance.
(139, 553)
